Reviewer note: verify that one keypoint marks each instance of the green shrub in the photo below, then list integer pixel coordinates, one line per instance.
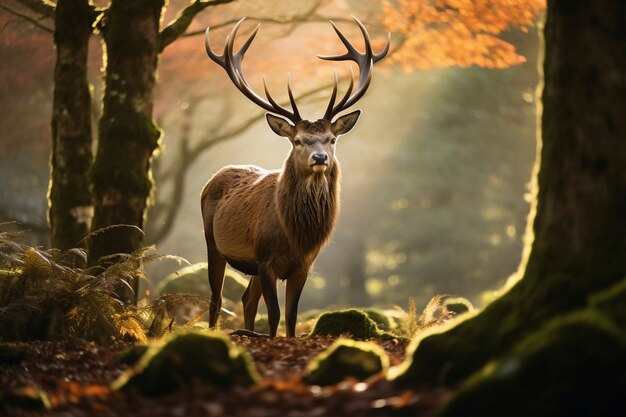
(188, 357)
(346, 358)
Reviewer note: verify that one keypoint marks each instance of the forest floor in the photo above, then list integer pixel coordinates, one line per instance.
(76, 376)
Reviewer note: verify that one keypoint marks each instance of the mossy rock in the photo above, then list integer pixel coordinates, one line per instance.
(194, 280)
(185, 358)
(25, 398)
(458, 305)
(132, 355)
(341, 322)
(379, 317)
(574, 365)
(346, 358)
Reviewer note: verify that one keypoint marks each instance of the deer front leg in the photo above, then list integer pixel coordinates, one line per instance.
(217, 266)
(267, 279)
(295, 283)
(250, 301)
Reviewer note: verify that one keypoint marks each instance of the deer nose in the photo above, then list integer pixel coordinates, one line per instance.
(320, 158)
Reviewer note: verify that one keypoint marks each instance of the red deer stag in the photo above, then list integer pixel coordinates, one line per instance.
(272, 224)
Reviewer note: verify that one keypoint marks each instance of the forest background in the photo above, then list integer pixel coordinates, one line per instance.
(436, 175)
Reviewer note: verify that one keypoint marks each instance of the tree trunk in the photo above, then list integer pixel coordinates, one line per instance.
(128, 135)
(71, 208)
(579, 228)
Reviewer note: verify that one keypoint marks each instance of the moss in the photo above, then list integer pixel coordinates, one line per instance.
(25, 398)
(185, 358)
(352, 321)
(346, 358)
(574, 365)
(194, 280)
(611, 302)
(132, 355)
(379, 317)
(458, 305)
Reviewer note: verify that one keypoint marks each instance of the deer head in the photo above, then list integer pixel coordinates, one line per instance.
(313, 142)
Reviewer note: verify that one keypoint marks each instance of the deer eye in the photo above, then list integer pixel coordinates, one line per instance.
(333, 140)
(297, 142)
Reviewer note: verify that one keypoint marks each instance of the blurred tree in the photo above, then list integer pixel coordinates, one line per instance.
(444, 33)
(127, 134)
(579, 225)
(71, 209)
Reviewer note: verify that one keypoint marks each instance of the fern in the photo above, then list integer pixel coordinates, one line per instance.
(50, 295)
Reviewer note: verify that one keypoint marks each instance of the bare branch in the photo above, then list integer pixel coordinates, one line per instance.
(27, 18)
(295, 19)
(179, 25)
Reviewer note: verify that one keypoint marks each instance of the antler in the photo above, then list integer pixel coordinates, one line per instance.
(365, 61)
(232, 64)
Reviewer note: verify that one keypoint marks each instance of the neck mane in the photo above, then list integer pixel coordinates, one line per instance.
(308, 206)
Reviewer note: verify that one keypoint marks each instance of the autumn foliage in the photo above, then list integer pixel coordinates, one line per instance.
(443, 33)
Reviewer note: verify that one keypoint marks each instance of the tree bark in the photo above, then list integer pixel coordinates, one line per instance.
(70, 203)
(121, 172)
(579, 245)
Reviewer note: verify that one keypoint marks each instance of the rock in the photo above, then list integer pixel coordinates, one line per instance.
(189, 357)
(352, 321)
(346, 358)
(379, 317)
(194, 280)
(458, 305)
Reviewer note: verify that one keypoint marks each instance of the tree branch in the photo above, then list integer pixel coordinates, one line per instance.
(179, 25)
(27, 18)
(295, 19)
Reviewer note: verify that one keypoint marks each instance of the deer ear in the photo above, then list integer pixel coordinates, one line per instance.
(345, 123)
(280, 126)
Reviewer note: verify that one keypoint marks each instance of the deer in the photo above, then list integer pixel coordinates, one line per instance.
(271, 225)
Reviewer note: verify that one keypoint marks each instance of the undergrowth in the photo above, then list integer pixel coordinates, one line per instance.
(47, 295)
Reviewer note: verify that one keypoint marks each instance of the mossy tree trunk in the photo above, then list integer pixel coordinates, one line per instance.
(70, 203)
(579, 228)
(128, 135)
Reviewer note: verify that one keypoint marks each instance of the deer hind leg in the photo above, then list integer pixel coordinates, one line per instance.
(217, 266)
(250, 301)
(295, 283)
(267, 280)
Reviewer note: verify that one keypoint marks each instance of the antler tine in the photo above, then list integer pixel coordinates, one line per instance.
(231, 63)
(333, 96)
(365, 62)
(383, 53)
(346, 96)
(294, 107)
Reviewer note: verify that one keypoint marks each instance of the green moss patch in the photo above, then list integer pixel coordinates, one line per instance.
(186, 358)
(379, 317)
(351, 322)
(346, 358)
(574, 365)
(194, 280)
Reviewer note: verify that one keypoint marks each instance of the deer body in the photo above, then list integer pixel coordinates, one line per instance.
(272, 224)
